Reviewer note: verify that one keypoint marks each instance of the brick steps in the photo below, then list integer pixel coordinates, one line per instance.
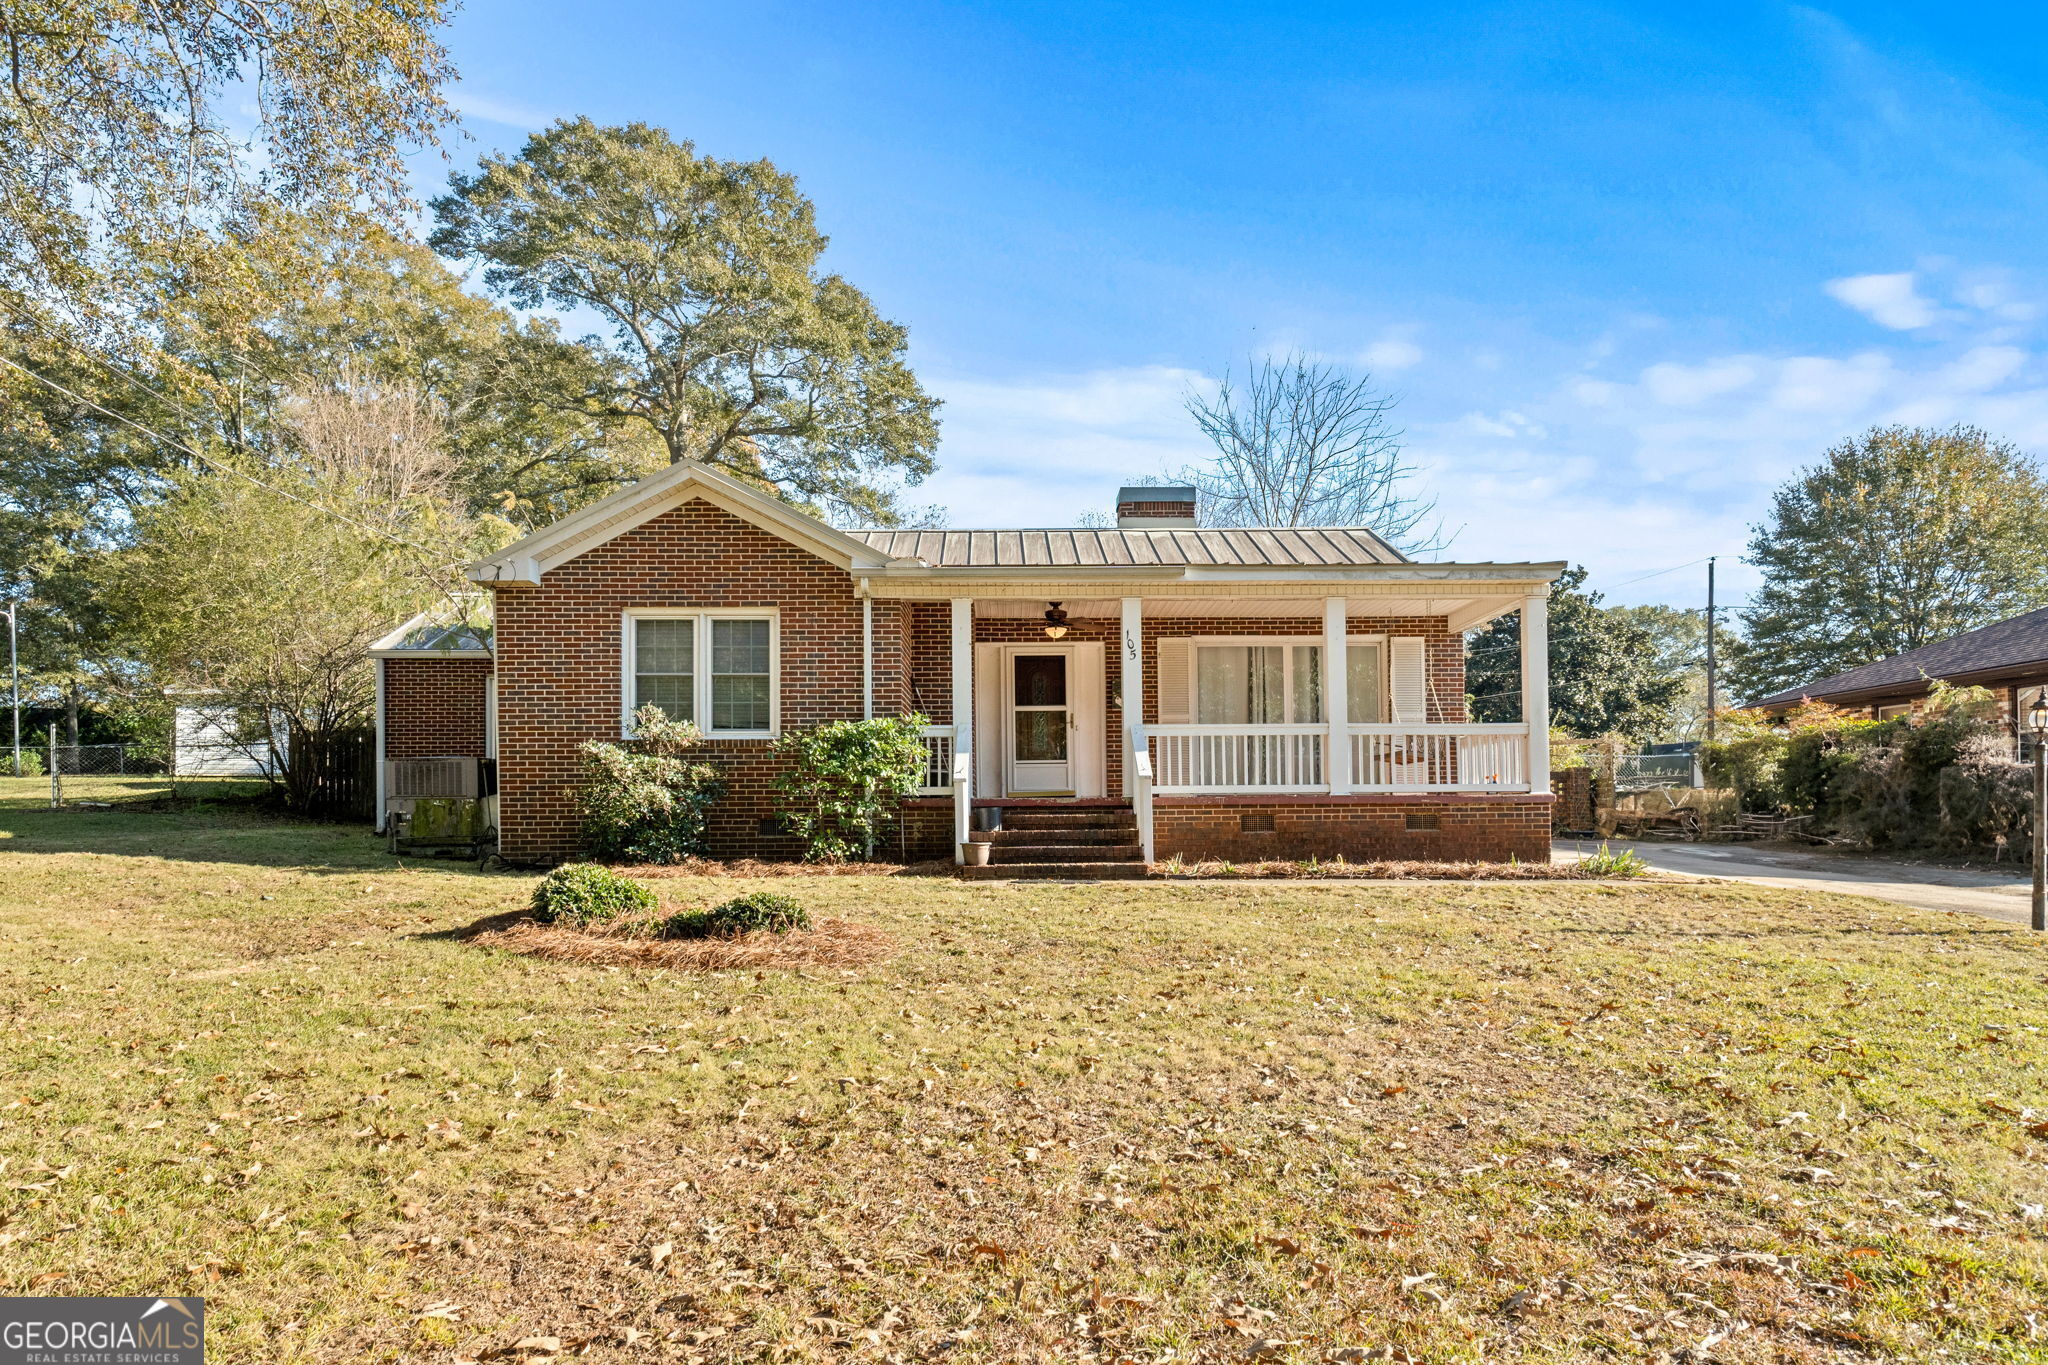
(1082, 843)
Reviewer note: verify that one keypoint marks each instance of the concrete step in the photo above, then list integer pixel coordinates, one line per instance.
(1111, 818)
(1075, 872)
(1084, 834)
(1006, 854)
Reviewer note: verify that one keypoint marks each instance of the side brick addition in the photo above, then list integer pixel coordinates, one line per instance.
(559, 660)
(434, 707)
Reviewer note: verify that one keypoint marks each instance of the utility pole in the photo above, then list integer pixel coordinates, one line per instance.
(14, 671)
(1713, 689)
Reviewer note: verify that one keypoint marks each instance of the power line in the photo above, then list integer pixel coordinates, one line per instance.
(206, 459)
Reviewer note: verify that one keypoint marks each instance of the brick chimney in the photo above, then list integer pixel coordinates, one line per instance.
(1155, 509)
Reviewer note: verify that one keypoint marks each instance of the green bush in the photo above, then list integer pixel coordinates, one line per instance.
(584, 893)
(646, 802)
(740, 915)
(31, 764)
(844, 780)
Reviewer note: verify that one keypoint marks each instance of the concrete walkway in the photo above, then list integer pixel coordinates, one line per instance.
(1999, 895)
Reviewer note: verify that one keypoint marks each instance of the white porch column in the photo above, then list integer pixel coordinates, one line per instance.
(963, 683)
(1536, 688)
(1336, 698)
(1133, 665)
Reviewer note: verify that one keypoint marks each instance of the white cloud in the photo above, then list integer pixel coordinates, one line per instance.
(1392, 353)
(1039, 451)
(1888, 300)
(1688, 385)
(507, 112)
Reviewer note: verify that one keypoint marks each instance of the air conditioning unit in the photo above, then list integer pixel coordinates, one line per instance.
(420, 779)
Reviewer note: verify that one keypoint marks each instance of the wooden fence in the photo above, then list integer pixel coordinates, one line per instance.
(334, 777)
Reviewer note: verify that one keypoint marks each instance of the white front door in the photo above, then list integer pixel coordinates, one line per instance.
(1039, 739)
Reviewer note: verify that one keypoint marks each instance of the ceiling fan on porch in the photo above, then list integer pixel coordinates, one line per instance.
(1056, 623)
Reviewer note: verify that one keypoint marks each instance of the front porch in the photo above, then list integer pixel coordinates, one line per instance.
(1220, 726)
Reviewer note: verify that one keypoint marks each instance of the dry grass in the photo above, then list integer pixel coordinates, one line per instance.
(829, 943)
(1391, 870)
(1154, 1121)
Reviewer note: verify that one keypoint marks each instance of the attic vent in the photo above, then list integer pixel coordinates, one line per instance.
(1155, 509)
(417, 779)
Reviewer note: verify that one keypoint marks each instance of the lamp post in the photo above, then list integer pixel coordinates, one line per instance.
(2037, 722)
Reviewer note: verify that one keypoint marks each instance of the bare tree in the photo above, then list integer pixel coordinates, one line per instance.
(386, 443)
(1304, 444)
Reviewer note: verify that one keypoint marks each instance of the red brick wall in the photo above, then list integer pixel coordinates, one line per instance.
(434, 707)
(1469, 827)
(558, 651)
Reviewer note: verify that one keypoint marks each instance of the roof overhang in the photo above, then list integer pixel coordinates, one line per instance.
(2028, 674)
(1466, 595)
(522, 563)
(392, 646)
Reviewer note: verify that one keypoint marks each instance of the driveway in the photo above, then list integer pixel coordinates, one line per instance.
(2000, 895)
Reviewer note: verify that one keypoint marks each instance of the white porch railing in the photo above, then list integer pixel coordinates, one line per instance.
(1439, 758)
(1238, 758)
(1191, 760)
(938, 761)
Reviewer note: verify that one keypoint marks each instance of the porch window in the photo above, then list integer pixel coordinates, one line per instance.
(1281, 683)
(714, 668)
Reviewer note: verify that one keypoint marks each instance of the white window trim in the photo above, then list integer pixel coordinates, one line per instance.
(1196, 642)
(700, 682)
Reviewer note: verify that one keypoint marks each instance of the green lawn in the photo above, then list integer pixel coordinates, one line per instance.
(1566, 1121)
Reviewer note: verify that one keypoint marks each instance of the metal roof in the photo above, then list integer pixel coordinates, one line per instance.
(462, 626)
(2019, 642)
(1251, 546)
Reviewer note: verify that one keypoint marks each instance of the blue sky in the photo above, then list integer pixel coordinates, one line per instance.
(1627, 266)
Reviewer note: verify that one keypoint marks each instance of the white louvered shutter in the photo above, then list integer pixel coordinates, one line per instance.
(1408, 671)
(1176, 706)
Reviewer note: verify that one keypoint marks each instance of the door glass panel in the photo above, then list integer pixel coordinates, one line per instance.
(1041, 736)
(1041, 679)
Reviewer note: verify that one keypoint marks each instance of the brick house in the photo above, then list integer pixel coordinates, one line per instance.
(2008, 657)
(1096, 697)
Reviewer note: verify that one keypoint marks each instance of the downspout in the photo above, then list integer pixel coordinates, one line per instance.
(867, 652)
(380, 747)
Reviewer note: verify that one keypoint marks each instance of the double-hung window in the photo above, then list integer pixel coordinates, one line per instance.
(1280, 682)
(715, 668)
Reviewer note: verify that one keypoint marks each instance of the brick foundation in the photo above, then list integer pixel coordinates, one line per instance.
(1454, 827)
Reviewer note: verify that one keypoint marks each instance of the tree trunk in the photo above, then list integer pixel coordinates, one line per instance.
(71, 715)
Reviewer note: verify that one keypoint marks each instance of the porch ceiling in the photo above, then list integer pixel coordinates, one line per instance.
(1463, 612)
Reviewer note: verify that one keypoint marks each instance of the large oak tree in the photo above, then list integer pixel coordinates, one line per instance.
(726, 337)
(1897, 538)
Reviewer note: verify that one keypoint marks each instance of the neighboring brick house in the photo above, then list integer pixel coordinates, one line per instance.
(1150, 689)
(2009, 657)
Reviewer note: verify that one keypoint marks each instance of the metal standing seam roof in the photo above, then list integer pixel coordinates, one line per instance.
(1251, 547)
(2014, 643)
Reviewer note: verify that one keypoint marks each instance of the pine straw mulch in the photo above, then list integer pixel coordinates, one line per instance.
(827, 943)
(1393, 870)
(753, 867)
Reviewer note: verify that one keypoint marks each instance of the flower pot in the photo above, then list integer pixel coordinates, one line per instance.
(975, 853)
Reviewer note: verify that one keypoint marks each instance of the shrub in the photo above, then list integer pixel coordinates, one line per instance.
(31, 764)
(584, 893)
(740, 915)
(1608, 863)
(844, 780)
(645, 802)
